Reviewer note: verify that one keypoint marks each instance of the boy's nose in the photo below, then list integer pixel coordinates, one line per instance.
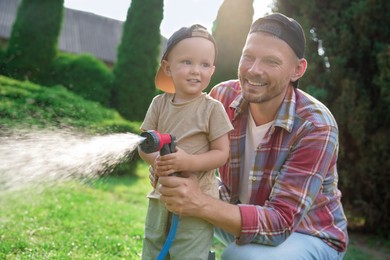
(195, 69)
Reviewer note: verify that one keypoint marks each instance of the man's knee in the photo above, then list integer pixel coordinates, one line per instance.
(234, 251)
(298, 246)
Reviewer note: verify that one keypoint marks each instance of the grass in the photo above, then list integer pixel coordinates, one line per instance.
(96, 220)
(100, 219)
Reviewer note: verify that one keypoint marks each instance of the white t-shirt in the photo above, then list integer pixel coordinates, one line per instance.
(254, 135)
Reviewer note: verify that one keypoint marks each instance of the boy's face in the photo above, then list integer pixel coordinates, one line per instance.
(190, 65)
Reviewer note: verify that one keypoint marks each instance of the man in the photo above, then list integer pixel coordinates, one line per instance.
(279, 189)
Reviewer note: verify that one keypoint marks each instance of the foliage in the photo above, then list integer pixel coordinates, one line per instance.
(230, 30)
(33, 41)
(82, 74)
(355, 36)
(1, 59)
(134, 71)
(28, 104)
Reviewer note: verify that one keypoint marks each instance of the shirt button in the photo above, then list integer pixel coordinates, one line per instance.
(253, 178)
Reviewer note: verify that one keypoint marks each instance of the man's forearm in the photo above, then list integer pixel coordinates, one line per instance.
(221, 214)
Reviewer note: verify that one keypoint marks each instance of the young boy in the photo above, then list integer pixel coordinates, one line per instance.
(201, 127)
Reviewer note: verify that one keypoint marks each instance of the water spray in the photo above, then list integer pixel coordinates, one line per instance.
(165, 143)
(34, 158)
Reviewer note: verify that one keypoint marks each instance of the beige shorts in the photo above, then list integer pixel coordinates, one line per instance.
(193, 239)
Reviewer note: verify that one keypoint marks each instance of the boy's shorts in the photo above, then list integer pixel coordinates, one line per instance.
(193, 239)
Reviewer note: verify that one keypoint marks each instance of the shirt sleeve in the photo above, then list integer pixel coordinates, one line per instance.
(295, 190)
(219, 122)
(150, 120)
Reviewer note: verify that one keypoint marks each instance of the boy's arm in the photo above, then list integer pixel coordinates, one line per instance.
(180, 161)
(214, 158)
(149, 158)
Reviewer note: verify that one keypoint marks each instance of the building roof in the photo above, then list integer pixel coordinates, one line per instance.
(82, 32)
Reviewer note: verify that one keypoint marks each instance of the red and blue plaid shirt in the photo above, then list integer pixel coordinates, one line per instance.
(293, 181)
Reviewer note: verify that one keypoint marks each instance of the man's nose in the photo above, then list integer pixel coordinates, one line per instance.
(256, 67)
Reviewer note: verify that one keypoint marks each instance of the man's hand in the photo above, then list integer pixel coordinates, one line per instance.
(181, 195)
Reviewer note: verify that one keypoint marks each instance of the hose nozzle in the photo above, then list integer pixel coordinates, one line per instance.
(154, 141)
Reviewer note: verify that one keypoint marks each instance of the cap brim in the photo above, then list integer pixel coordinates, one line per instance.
(163, 82)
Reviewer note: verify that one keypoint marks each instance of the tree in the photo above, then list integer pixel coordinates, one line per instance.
(355, 36)
(1, 52)
(33, 42)
(230, 30)
(137, 62)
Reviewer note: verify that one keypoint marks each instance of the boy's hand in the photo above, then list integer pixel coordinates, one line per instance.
(174, 162)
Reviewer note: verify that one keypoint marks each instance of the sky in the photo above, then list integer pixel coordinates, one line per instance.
(177, 13)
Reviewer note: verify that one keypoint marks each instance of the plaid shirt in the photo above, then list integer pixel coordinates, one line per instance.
(293, 181)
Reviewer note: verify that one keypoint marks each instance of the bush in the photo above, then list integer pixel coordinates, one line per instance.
(84, 75)
(25, 103)
(2, 69)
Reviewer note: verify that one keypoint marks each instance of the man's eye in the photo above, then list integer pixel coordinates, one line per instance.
(248, 57)
(271, 62)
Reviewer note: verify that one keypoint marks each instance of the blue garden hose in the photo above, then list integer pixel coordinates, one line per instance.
(171, 236)
(165, 143)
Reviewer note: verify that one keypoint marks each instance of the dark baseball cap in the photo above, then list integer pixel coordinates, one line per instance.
(285, 28)
(162, 81)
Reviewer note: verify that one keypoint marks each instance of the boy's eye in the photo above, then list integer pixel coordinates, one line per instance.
(187, 62)
(206, 65)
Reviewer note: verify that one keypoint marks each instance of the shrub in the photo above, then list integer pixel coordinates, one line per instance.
(33, 105)
(82, 74)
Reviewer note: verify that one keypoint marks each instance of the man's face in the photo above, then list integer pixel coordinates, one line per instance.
(267, 66)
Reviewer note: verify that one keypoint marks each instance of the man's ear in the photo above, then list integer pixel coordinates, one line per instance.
(300, 69)
(166, 67)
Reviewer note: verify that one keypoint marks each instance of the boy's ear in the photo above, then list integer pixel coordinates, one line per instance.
(166, 67)
(212, 70)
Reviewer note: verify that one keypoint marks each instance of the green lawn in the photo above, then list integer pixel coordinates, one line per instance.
(97, 220)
